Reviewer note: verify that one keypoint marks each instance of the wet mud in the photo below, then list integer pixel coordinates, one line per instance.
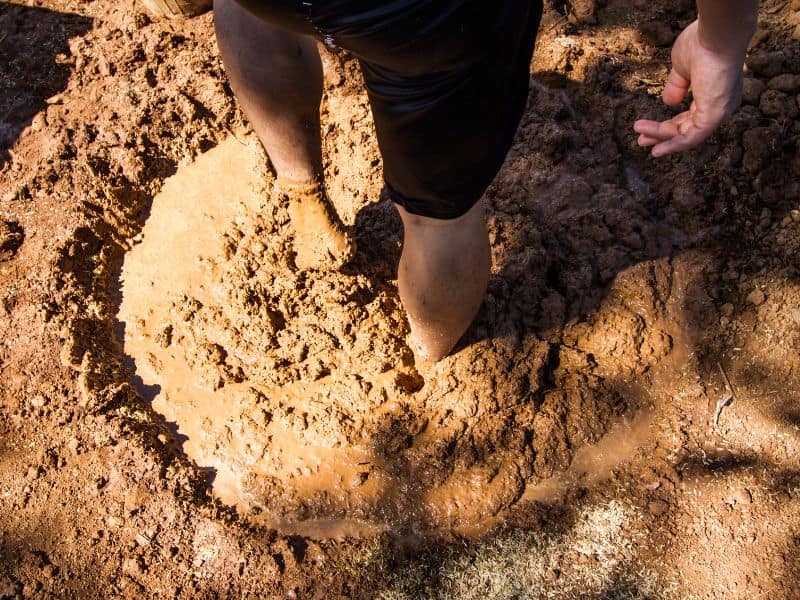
(185, 413)
(297, 392)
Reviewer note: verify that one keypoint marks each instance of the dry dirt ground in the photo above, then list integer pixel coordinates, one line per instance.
(184, 414)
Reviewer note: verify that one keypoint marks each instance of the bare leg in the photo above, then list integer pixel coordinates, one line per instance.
(443, 273)
(277, 78)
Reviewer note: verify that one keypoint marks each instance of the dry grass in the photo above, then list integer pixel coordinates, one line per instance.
(594, 558)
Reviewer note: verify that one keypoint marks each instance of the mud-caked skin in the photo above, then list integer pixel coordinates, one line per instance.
(321, 241)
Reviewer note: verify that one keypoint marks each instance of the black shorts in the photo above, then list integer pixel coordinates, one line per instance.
(447, 82)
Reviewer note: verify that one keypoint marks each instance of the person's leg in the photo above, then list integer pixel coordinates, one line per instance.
(475, 72)
(442, 277)
(277, 78)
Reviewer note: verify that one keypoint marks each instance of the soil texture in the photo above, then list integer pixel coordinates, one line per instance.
(185, 413)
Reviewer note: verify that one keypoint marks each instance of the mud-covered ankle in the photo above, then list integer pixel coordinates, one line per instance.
(300, 188)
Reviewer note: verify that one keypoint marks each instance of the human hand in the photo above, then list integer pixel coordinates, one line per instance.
(715, 78)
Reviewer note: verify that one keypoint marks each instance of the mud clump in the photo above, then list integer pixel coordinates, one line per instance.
(752, 89)
(11, 237)
(776, 104)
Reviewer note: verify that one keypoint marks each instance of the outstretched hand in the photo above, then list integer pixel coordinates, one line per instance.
(716, 82)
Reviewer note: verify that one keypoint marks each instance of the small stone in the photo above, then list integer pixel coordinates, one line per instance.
(74, 445)
(133, 501)
(359, 479)
(785, 82)
(657, 507)
(115, 522)
(133, 566)
(34, 471)
(50, 571)
(740, 495)
(756, 297)
(39, 401)
(795, 214)
(751, 90)
(785, 221)
(796, 315)
(724, 321)
(726, 309)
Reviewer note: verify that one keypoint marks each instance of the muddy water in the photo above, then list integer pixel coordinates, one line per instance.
(242, 432)
(298, 394)
(595, 463)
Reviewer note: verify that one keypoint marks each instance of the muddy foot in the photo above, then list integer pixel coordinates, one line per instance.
(427, 346)
(320, 239)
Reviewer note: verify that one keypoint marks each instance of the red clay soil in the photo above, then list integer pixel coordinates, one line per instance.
(622, 420)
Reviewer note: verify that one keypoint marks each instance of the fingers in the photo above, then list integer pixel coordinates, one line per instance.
(693, 137)
(663, 130)
(645, 141)
(675, 89)
(679, 133)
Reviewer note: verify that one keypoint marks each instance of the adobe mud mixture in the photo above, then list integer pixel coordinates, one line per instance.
(620, 288)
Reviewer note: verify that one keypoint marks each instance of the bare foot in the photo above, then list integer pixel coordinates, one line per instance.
(321, 241)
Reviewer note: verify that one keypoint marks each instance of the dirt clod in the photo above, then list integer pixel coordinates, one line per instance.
(658, 33)
(778, 105)
(756, 297)
(788, 83)
(752, 89)
(11, 237)
(657, 507)
(767, 64)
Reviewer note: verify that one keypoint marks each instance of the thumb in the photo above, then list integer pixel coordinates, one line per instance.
(675, 89)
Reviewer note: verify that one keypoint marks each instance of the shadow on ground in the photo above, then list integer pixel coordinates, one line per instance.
(35, 64)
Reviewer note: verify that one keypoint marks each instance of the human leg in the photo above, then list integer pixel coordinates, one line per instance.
(277, 78)
(442, 277)
(444, 134)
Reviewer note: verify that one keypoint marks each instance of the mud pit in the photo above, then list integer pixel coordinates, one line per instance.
(298, 394)
(567, 449)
